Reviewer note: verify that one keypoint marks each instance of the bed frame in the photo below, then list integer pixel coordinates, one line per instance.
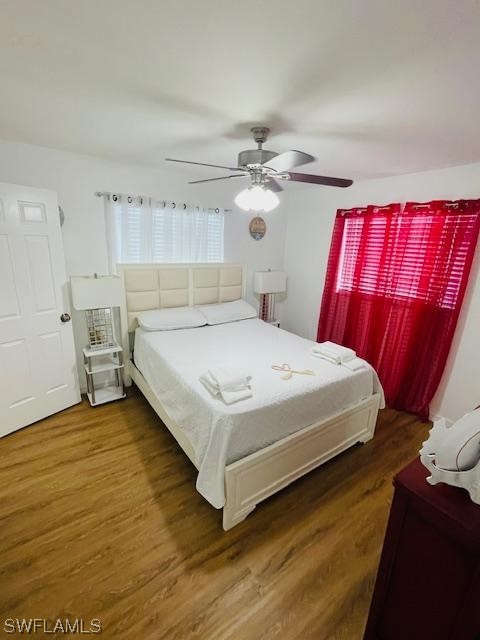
(261, 474)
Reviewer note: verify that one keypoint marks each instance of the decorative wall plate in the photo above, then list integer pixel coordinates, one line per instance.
(257, 228)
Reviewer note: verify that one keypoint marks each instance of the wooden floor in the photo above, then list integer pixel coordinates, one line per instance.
(99, 518)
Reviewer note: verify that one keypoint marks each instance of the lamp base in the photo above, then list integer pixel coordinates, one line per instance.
(267, 307)
(100, 328)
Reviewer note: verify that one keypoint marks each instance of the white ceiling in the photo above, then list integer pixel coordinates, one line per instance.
(369, 87)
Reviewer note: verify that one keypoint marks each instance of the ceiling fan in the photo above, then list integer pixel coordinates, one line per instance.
(265, 170)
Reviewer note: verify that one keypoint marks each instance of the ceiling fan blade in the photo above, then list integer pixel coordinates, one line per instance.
(273, 185)
(236, 175)
(204, 164)
(325, 180)
(288, 160)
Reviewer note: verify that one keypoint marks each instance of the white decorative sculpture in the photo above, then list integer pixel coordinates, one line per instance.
(452, 454)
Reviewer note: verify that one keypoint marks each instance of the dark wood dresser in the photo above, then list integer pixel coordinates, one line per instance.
(428, 582)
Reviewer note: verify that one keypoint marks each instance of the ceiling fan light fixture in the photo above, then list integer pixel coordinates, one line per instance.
(257, 198)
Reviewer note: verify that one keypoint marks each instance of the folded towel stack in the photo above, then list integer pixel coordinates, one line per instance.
(337, 354)
(230, 385)
(355, 364)
(333, 352)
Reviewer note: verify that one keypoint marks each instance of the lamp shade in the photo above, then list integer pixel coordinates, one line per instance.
(96, 292)
(269, 281)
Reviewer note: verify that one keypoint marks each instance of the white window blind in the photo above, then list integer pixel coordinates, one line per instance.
(419, 257)
(146, 230)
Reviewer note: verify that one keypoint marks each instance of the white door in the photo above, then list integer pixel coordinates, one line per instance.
(38, 373)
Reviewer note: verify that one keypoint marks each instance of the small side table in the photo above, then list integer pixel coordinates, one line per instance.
(100, 361)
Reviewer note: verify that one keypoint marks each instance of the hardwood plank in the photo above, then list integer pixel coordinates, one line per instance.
(100, 519)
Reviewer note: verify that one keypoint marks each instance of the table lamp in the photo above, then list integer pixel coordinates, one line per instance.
(267, 284)
(97, 295)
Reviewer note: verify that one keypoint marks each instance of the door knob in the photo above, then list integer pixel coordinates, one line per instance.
(65, 317)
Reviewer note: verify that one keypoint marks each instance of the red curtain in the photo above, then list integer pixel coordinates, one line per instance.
(396, 278)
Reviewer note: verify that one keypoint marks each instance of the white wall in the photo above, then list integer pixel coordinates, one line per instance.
(310, 217)
(298, 241)
(76, 177)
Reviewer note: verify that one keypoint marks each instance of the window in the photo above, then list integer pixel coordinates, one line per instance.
(144, 230)
(406, 254)
(395, 282)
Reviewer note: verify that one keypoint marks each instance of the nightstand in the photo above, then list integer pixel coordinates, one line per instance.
(101, 361)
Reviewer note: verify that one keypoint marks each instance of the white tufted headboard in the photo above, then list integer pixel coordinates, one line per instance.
(157, 286)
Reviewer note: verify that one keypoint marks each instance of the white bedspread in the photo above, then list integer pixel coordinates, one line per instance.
(172, 361)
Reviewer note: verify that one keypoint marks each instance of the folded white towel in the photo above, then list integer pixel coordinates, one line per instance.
(333, 352)
(230, 395)
(355, 365)
(324, 356)
(228, 379)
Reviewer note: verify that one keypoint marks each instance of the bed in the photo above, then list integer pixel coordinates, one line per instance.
(249, 450)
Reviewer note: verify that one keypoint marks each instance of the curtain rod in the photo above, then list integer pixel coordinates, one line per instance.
(172, 203)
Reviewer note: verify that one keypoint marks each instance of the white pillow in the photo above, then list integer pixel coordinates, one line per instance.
(171, 318)
(227, 311)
